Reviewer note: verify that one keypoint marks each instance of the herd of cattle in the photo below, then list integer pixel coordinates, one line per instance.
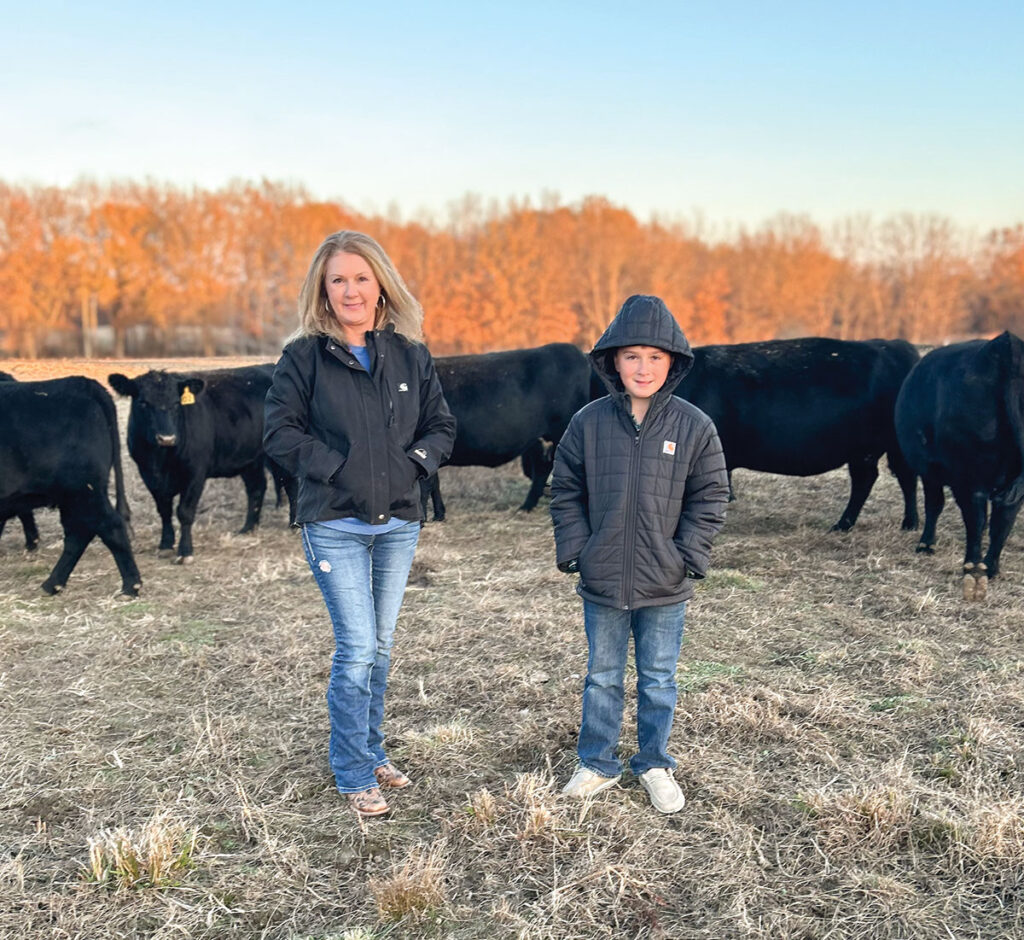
(798, 407)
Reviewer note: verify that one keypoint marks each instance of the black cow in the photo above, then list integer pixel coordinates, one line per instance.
(28, 520)
(185, 428)
(58, 443)
(506, 405)
(960, 420)
(805, 406)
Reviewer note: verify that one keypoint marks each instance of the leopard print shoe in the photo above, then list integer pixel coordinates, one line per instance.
(368, 803)
(390, 777)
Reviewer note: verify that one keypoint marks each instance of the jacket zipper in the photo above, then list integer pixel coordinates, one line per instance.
(630, 541)
(374, 375)
(383, 385)
(383, 394)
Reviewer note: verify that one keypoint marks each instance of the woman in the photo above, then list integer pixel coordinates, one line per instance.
(357, 414)
(637, 496)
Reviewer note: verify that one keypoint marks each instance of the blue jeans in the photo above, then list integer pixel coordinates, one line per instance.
(362, 579)
(657, 635)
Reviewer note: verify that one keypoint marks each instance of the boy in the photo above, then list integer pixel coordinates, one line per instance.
(638, 493)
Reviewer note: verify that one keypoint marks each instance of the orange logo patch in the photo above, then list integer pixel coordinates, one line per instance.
(669, 447)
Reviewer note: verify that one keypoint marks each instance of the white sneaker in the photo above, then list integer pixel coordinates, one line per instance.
(586, 783)
(661, 787)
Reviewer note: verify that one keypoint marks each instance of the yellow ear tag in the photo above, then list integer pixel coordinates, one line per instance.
(187, 398)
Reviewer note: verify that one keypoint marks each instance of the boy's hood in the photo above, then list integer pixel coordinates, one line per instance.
(642, 321)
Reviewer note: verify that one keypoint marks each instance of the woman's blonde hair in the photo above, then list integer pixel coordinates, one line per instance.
(399, 308)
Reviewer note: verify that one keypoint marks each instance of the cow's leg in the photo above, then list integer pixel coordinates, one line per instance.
(187, 505)
(285, 483)
(291, 487)
(430, 488)
(78, 533)
(165, 507)
(907, 480)
(1003, 517)
(535, 493)
(934, 500)
(974, 509)
(537, 481)
(255, 481)
(437, 500)
(112, 531)
(538, 461)
(863, 473)
(28, 525)
(425, 485)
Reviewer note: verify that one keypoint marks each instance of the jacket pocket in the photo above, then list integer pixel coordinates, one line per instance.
(403, 478)
(582, 556)
(600, 567)
(667, 573)
(346, 495)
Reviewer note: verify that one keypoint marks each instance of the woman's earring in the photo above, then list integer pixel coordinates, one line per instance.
(327, 307)
(383, 301)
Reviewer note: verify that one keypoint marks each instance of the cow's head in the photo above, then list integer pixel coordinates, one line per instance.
(158, 402)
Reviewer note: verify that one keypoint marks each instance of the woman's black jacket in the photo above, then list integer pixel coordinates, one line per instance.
(358, 442)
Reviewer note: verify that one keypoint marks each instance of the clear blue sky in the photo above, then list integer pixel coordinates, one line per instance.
(733, 110)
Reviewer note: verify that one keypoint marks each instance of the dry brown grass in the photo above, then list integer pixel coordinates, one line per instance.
(849, 736)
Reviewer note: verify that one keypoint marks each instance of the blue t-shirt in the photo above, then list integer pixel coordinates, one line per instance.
(362, 354)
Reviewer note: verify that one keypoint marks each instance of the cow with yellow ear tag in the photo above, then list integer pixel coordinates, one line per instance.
(185, 428)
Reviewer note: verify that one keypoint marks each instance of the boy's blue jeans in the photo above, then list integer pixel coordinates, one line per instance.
(362, 579)
(657, 635)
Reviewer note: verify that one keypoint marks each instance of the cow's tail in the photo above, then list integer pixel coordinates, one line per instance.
(120, 498)
(1014, 400)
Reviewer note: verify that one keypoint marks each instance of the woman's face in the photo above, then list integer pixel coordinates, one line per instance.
(352, 291)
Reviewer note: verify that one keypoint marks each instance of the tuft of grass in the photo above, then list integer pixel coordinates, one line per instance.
(725, 578)
(940, 834)
(699, 674)
(415, 888)
(998, 836)
(194, 632)
(452, 734)
(156, 856)
(874, 819)
(902, 701)
(483, 807)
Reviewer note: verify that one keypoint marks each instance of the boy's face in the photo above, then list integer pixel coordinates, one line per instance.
(643, 369)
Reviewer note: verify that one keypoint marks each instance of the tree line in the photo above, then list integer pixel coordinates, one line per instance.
(150, 269)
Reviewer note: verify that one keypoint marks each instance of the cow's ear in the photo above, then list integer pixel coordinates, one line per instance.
(122, 384)
(190, 389)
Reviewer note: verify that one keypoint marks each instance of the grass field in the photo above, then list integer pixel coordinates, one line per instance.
(850, 738)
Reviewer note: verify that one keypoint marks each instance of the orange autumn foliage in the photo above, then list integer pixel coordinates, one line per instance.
(143, 269)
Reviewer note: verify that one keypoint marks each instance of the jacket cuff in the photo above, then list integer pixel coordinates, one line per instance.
(566, 553)
(421, 457)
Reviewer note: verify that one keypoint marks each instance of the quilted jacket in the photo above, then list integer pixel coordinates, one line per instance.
(639, 508)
